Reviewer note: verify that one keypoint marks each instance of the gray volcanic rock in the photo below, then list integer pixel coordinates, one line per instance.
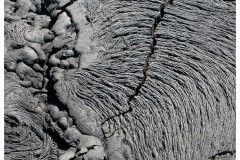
(97, 80)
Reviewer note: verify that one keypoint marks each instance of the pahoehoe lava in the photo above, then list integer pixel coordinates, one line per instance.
(113, 79)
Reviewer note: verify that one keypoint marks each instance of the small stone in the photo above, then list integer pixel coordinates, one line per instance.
(83, 150)
(63, 122)
(70, 121)
(43, 106)
(63, 64)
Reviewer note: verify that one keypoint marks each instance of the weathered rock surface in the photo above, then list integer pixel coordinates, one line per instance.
(96, 80)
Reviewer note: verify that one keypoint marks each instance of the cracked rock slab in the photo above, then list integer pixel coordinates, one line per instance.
(111, 79)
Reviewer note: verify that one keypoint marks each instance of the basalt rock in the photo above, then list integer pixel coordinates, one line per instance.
(97, 79)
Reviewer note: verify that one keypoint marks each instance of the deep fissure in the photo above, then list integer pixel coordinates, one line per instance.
(223, 153)
(157, 20)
